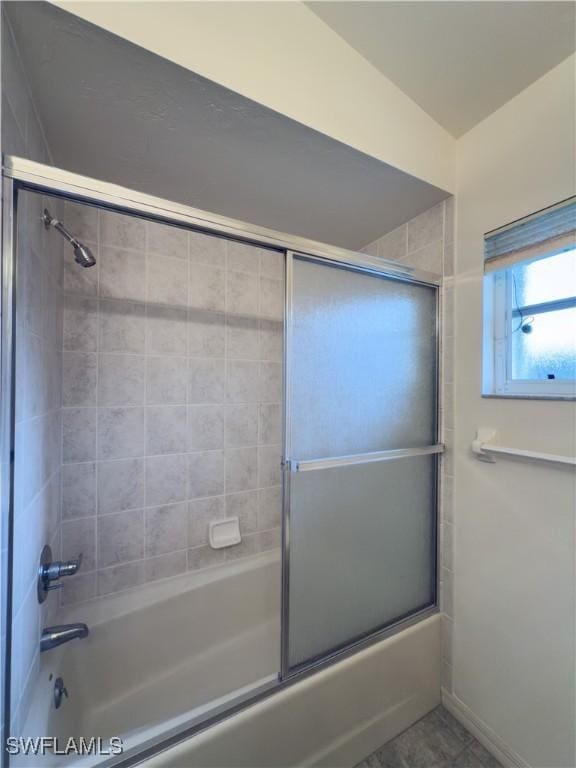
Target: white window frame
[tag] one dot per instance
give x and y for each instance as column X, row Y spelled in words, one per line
column 497, row 357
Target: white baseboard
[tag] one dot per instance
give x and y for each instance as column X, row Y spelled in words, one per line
column 485, row 735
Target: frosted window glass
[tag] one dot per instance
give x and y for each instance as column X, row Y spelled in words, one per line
column 546, row 279
column 364, row 363
column 549, row 351
column 362, row 551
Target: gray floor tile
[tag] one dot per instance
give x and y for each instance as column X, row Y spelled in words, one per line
column 488, row 760
column 466, row 759
column 436, row 741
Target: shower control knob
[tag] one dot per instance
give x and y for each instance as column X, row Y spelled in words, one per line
column 49, row 571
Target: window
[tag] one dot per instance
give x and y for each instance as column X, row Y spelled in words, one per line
column 530, row 306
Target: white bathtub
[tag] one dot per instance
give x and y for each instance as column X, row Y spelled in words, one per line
column 161, row 656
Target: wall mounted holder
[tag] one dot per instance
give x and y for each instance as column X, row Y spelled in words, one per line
column 485, row 448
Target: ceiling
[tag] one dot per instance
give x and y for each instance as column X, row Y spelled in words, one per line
column 460, row 61
column 114, row 111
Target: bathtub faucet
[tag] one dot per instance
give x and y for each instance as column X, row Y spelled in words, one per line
column 52, row 637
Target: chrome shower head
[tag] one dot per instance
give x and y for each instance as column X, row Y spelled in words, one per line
column 82, row 254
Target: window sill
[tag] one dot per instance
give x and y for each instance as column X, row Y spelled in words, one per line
column 491, row 396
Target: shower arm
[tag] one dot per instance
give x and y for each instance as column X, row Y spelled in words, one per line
column 50, row 221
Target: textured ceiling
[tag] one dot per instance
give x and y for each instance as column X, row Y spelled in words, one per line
column 460, row 61
column 116, row 112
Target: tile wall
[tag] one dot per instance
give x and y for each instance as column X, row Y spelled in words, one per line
column 38, row 372
column 427, row 242
column 172, row 390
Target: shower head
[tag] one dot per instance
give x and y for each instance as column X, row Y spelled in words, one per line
column 82, row 254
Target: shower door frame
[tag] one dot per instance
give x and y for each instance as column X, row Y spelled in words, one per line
column 19, row 174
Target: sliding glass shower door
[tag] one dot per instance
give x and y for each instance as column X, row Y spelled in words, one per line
column 360, row 447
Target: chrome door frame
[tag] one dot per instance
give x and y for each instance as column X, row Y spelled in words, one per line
column 25, row 175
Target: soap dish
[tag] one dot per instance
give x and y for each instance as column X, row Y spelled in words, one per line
column 224, row 533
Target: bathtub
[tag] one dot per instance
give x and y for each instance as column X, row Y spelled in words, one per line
column 162, row 656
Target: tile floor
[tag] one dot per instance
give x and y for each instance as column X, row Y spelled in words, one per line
column 436, row 741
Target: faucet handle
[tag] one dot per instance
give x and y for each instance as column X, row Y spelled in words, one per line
column 49, row 571
column 71, row 567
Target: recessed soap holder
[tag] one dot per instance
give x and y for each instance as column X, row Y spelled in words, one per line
column 224, row 533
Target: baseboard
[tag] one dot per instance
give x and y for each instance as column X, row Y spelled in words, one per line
column 485, row 735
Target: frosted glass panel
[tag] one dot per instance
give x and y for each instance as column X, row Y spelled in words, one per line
column 364, row 364
column 549, row 351
column 546, row 279
column 362, row 551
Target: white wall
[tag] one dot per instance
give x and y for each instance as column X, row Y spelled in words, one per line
column 283, row 56
column 514, row 647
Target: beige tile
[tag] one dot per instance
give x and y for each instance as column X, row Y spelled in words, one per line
column 449, row 260
column 269, row 467
column 165, row 429
column 120, row 485
column 78, row 434
column 205, row 427
column 206, row 333
column 244, row 506
column 80, row 324
column 166, row 331
column 271, row 340
column 206, row 289
column 166, row 479
column 449, row 220
column 166, row 240
column 79, row 537
column 120, row 433
column 242, row 294
column 241, row 469
column 121, row 577
column 79, row 379
column 166, row 529
column 242, row 381
column 207, row 249
column 165, row 566
column 241, row 425
column 79, row 589
column 205, row 380
column 167, row 280
column 82, row 281
column 426, row 228
column 122, row 274
column 122, row 326
column 78, row 490
column 270, row 424
column 122, row 231
column 121, row 379
column 272, row 264
column 271, row 298
column 242, row 337
column 269, row 508
column 166, row 380
column 205, row 474
column 120, row 538
column 428, row 258
column 267, row 540
column 270, row 382
column 82, row 219
column 247, row 547
column 393, row 246
column 242, row 257
column 204, row 557
column 200, row 514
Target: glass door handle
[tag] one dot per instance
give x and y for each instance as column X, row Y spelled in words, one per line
column 361, row 458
